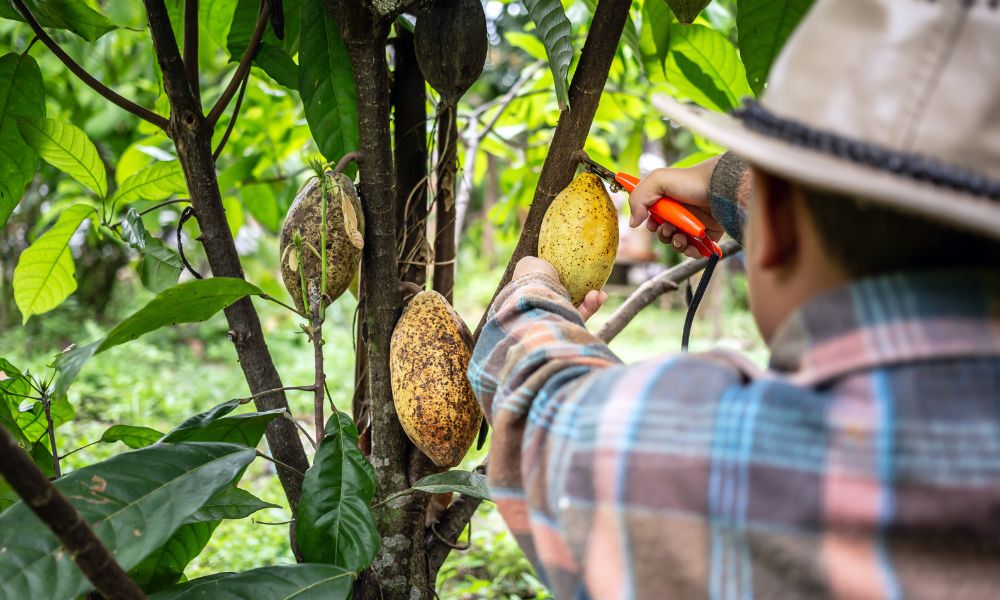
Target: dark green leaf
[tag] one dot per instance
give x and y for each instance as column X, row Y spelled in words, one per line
column 133, row 436
column 246, row 429
column 45, row 274
column 161, row 266
column 703, row 66
column 278, row 65
column 72, row 15
column 243, row 23
column 8, row 497
column 166, row 564
column 230, row 503
column 21, row 95
column 135, row 502
column 466, row 483
column 326, row 84
column 298, row 582
column 67, row 148
column 69, row 363
column 189, row 302
column 764, row 25
column 556, row 33
column 334, row 522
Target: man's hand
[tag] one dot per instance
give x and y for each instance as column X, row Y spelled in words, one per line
column 687, row 186
column 592, row 302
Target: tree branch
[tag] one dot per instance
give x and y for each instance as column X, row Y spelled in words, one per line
column 574, row 125
column 444, row 201
column 316, row 334
column 191, row 47
column 649, row 291
column 232, row 120
column 76, row 535
column 243, row 68
column 84, row 76
column 192, row 135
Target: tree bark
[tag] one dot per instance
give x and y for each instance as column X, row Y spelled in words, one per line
column 574, row 125
column 409, row 98
column 76, row 535
column 192, row 135
column 444, row 202
column 399, row 571
column 560, row 165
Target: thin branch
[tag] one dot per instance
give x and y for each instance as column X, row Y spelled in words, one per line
column 232, row 120
column 243, row 68
column 279, row 463
column 83, row 447
column 50, row 426
column 346, row 160
column 112, row 96
column 316, row 334
column 252, row 397
column 280, row 303
column 649, row 291
column 191, row 47
column 289, row 416
column 76, row 535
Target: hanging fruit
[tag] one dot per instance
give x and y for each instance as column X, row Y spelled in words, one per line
column 687, row 11
column 451, row 43
column 579, row 236
column 302, row 238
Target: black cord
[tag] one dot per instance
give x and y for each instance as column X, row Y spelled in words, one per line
column 186, row 214
column 696, row 300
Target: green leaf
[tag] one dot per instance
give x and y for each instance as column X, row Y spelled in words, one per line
column 326, row 84
column 262, row 203
column 160, row 266
column 133, row 436
column 214, row 426
column 71, row 15
column 654, row 38
column 158, row 181
column 189, row 302
column 230, row 503
column 21, row 95
column 134, row 501
column 67, row 148
column 15, row 389
column 764, row 25
column 8, row 497
column 556, row 33
column 35, row 425
column 703, row 66
column 298, row 582
column 466, row 483
column 278, row 64
column 334, row 522
column 166, row 564
column 217, row 17
column 245, row 18
column 69, row 363
column 45, row 274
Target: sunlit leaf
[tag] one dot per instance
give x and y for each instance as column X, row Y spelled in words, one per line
column 45, row 274
column 703, row 66
column 654, row 38
column 133, row 436
column 764, row 25
column 334, row 522
column 134, row 501
column 326, row 84
column 158, row 181
column 71, row 15
column 67, row 148
column 21, row 95
column 556, row 33
column 299, row 582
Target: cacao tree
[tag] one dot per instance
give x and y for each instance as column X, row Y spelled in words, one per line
column 206, row 119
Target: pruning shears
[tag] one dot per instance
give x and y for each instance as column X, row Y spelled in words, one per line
column 664, row 210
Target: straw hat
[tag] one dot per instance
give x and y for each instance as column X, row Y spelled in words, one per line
column 897, row 101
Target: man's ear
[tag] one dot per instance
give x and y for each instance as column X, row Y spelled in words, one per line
column 772, row 217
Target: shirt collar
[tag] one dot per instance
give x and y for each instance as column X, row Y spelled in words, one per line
column 890, row 319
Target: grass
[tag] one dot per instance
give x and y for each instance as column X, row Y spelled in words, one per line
column 169, row 374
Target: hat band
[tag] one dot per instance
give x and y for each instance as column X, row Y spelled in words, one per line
column 906, row 164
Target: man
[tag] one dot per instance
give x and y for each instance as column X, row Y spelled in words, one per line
column 865, row 462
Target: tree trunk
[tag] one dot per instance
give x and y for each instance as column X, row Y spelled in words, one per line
column 192, row 136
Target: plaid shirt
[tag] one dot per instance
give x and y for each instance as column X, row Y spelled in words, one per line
column 865, row 463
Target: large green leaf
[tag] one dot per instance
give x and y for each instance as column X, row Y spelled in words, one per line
column 285, row 582
column 246, row 429
column 326, row 84
column 217, row 18
column 243, row 22
column 230, row 503
column 188, row 302
column 160, row 266
column 134, row 501
column 72, row 15
column 334, row 522
column 467, row 483
column 278, row 64
column 133, row 436
column 67, row 148
column 45, row 273
column 764, row 25
column 166, row 564
column 21, row 95
column 703, row 66
column 555, row 31
column 158, row 181
column 654, row 37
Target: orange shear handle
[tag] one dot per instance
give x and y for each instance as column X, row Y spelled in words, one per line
column 667, row 210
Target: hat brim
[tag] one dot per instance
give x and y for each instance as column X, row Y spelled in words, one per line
column 829, row 172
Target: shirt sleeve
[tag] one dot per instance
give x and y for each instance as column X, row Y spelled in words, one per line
column 729, row 193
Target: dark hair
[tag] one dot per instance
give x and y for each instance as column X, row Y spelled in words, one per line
column 868, row 239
